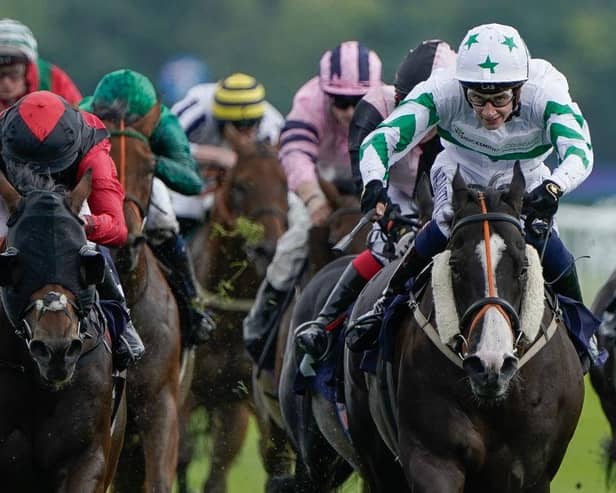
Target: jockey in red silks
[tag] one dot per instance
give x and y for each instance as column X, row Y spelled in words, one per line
column 23, row 72
column 44, row 133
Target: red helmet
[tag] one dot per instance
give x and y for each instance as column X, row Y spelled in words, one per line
column 350, row 69
column 41, row 130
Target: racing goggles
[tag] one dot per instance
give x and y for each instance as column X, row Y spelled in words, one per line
column 498, row 100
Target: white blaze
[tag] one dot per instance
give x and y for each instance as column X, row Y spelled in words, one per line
column 496, row 337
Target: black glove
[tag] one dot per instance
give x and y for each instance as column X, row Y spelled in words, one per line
column 387, row 222
column 374, row 192
column 542, row 202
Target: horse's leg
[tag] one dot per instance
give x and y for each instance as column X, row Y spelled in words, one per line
column 276, row 455
column 185, row 451
column 229, row 423
column 130, row 472
column 427, row 473
column 160, row 441
column 86, row 472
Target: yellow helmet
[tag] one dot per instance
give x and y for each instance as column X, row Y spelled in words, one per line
column 237, row 98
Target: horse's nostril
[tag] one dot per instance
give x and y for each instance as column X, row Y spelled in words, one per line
column 74, row 349
column 40, row 350
column 473, row 365
column 510, row 366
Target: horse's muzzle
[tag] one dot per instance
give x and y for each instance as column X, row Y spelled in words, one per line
column 487, row 381
column 56, row 360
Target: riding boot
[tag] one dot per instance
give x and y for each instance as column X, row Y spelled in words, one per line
column 261, row 319
column 128, row 347
column 197, row 324
column 362, row 333
column 313, row 338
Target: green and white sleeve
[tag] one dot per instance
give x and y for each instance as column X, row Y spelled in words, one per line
column 403, row 129
column 568, row 132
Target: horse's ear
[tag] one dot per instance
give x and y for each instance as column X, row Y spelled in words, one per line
column 460, row 190
column 423, row 197
column 515, row 194
column 92, row 266
column 10, row 267
column 239, row 142
column 8, row 192
column 80, row 192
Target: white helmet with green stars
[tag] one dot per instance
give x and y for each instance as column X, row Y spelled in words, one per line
column 492, row 56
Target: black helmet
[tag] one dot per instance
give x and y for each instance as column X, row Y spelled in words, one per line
column 42, row 131
column 419, row 63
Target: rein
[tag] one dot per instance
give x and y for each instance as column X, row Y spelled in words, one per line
column 475, row 313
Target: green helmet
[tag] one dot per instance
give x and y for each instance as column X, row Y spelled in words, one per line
column 125, row 88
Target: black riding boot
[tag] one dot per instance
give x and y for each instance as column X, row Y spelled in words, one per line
column 362, row 334
column 261, row 318
column 313, row 339
column 197, row 324
column 128, row 346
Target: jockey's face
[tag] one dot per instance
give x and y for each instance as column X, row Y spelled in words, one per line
column 12, row 82
column 493, row 110
column 343, row 108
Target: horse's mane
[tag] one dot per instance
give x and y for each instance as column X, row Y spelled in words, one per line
column 24, row 179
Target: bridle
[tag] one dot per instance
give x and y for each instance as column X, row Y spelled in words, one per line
column 475, row 313
column 126, row 132
column 43, row 305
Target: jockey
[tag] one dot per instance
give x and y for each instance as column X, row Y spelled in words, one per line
column 238, row 100
column 379, row 102
column 23, row 72
column 314, row 140
column 43, row 132
column 136, row 96
column 501, row 106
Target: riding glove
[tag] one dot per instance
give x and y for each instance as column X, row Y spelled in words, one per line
column 542, row 202
column 374, row 193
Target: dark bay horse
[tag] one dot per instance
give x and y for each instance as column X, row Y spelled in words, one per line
column 55, row 361
column 231, row 254
column 484, row 387
column 603, row 378
column 151, row 447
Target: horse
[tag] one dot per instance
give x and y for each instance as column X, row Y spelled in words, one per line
column 55, row 359
column 150, row 453
column 231, row 253
column 603, row 378
column 483, row 388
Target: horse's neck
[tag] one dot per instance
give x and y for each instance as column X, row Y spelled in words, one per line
column 228, row 265
column 135, row 281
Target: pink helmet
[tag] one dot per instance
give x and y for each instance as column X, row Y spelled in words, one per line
column 349, row 69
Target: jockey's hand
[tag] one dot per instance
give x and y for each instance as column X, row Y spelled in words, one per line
column 542, row 202
column 319, row 211
column 387, row 218
column 374, row 194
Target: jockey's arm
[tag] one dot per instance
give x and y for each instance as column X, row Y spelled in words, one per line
column 213, row 155
column 568, row 132
column 400, row 132
column 174, row 163
column 106, row 224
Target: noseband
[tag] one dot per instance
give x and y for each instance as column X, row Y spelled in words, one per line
column 474, row 313
column 51, row 302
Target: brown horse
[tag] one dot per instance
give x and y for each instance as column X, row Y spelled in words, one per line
column 603, row 378
column 484, row 387
column 151, row 448
column 55, row 362
column 231, row 254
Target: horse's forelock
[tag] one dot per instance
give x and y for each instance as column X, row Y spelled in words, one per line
column 24, row 179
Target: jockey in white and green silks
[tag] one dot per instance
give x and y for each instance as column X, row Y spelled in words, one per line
column 500, row 106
